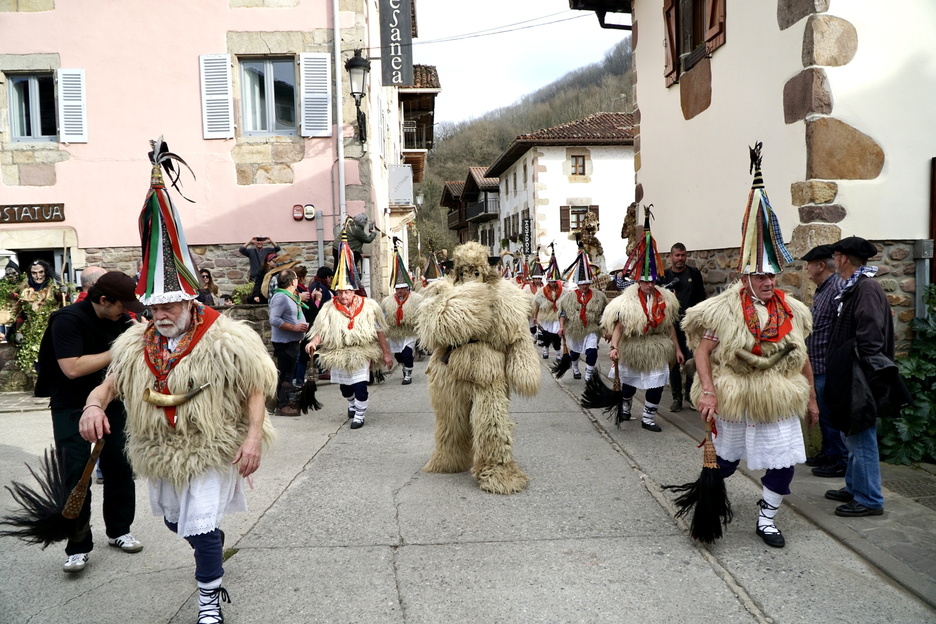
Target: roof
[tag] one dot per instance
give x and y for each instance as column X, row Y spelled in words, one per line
column 424, row 77
column 597, row 129
column 451, row 194
column 477, row 182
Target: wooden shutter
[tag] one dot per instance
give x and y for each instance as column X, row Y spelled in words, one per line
column 594, row 211
column 71, row 102
column 315, row 90
column 714, row 24
column 216, row 96
column 670, row 42
column 564, row 218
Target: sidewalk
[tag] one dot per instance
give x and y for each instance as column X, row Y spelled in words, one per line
column 345, row 527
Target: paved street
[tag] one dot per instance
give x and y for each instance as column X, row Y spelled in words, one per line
column 345, row 527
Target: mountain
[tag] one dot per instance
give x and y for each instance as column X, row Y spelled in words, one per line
column 604, row 86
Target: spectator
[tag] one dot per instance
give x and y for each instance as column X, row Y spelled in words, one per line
column 89, row 277
column 288, row 328
column 209, row 294
column 8, row 287
column 257, row 295
column 257, row 249
column 686, row 282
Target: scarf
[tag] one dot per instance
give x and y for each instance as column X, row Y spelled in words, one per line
column 557, row 289
column 533, row 288
column 295, row 297
column 870, row 271
column 583, row 301
column 156, row 349
column 357, row 304
column 656, row 312
column 779, row 319
column 399, row 310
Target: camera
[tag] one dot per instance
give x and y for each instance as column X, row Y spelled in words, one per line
column 261, row 238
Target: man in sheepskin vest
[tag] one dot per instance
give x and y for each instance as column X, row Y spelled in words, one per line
column 401, row 309
column 349, row 335
column 641, row 322
column 534, row 286
column 754, row 378
column 580, row 313
column 474, row 323
column 546, row 309
column 194, row 384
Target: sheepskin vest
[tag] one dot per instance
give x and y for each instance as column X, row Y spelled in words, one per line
column 546, row 312
column 349, row 349
column 569, row 305
column 407, row 327
column 639, row 350
column 210, row 427
column 742, row 389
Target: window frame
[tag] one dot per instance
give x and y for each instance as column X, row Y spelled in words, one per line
column 35, row 106
column 695, row 24
column 270, row 105
column 577, row 161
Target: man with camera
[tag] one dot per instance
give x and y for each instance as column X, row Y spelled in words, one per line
column 256, row 249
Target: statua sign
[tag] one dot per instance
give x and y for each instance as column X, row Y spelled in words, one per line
column 35, row 213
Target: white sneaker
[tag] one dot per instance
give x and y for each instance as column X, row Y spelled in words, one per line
column 126, row 543
column 75, row 563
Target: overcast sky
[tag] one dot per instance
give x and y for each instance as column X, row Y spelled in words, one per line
column 483, row 73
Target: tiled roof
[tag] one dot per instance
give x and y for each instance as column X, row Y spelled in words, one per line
column 483, row 183
column 597, row 129
column 455, row 188
column 424, row 77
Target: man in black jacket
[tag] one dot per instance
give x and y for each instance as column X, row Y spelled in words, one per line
column 73, row 357
column 863, row 329
column 686, row 282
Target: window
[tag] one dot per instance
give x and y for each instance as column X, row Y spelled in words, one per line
column 578, row 165
column 524, row 176
column 48, row 106
column 268, row 96
column 274, row 101
column 515, row 182
column 693, row 29
column 506, row 187
column 571, row 217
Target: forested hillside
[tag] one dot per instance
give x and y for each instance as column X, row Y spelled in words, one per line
column 604, row 86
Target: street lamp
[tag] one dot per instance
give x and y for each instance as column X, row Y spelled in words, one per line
column 357, row 67
column 420, row 198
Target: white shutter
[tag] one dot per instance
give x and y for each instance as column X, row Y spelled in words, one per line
column 217, row 99
column 315, row 90
column 71, row 101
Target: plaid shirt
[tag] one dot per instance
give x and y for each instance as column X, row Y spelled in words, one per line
column 824, row 310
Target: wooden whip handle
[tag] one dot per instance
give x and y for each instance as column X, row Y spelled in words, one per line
column 709, row 457
column 617, row 378
column 77, row 497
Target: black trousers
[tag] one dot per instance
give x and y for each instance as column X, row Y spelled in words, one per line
column 675, row 378
column 285, row 354
column 119, row 506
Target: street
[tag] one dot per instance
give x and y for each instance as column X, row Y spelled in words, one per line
column 345, row 527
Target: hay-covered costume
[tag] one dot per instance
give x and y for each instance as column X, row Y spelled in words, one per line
column 400, row 309
column 474, row 323
column 752, row 365
column 580, row 313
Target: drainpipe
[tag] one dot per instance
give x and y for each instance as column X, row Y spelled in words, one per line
column 339, row 117
column 320, row 235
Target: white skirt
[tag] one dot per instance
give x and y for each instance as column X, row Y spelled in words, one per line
column 199, row 506
column 763, row 445
column 397, row 346
column 348, row 378
column 550, row 326
column 590, row 341
column 643, row 380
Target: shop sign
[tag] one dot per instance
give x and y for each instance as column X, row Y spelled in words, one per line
column 35, row 213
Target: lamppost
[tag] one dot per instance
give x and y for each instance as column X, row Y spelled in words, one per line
column 420, row 198
column 357, row 67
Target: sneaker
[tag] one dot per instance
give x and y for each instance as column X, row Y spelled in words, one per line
column 75, row 563
column 546, row 354
column 126, row 543
column 286, row 410
column 830, row 471
column 854, row 509
column 676, row 405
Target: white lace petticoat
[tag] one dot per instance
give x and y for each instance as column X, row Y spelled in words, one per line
column 199, row 506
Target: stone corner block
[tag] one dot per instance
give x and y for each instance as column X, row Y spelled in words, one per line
column 829, row 41
column 813, row 192
column 806, row 94
column 837, row 151
column 791, row 11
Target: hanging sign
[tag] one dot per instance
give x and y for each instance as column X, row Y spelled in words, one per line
column 396, row 43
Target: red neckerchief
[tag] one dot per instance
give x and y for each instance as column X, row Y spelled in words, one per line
column 399, row 310
column 779, row 319
column 533, row 288
column 582, row 313
column 357, row 304
column 161, row 361
column 557, row 289
column 657, row 310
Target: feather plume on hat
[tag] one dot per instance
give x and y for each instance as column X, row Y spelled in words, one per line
column 399, row 276
column 762, row 248
column 345, row 277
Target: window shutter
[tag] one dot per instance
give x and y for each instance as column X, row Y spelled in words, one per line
column 714, row 24
column 564, row 218
column 315, row 89
column 594, row 211
column 71, row 102
column 670, row 43
column 216, row 95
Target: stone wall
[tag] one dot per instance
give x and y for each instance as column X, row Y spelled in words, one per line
column 896, row 274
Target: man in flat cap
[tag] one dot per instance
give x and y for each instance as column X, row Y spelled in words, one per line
column 863, row 329
column 832, row 457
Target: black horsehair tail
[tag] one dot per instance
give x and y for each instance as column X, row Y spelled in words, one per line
column 756, row 156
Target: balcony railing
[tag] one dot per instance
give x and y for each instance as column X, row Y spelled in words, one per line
column 416, row 137
column 455, row 222
column 484, row 210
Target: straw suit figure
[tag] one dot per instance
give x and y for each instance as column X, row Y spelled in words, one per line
column 580, row 313
column 401, row 309
column 475, row 324
column 755, row 379
column 546, row 309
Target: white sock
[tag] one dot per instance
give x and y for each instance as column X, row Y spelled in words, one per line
column 649, row 412
column 766, row 516
column 359, row 408
column 575, row 367
column 589, row 370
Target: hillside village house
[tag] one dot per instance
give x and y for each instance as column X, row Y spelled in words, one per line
column 253, row 94
column 554, row 176
column 838, row 92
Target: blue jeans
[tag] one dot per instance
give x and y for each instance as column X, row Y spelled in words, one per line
column 833, row 446
column 863, row 474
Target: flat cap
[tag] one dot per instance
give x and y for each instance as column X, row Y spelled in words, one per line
column 819, row 252
column 855, row 246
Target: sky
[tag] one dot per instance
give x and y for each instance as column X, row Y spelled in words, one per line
column 480, row 74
